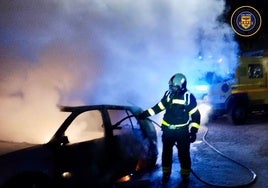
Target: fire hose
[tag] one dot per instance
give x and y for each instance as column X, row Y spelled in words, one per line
column 251, row 172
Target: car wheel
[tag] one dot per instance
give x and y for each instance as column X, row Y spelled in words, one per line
column 238, row 114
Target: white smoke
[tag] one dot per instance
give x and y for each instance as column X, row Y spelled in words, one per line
column 99, row 51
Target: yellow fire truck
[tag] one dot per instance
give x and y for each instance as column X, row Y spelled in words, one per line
column 246, row 93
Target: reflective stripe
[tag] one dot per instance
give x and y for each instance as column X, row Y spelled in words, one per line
column 196, row 125
column 165, row 123
column 174, row 126
column 161, row 106
column 178, row 101
column 187, row 98
column 193, row 110
column 166, row 169
column 151, row 111
column 185, row 171
column 184, row 101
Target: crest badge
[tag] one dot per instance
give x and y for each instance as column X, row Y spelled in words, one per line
column 246, row 21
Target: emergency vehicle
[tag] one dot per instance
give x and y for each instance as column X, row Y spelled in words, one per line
column 246, row 93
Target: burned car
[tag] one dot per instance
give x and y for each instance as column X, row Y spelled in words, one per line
column 96, row 146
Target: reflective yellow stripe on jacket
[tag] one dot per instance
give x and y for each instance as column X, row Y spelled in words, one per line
column 193, row 110
column 160, row 105
column 178, row 101
column 177, row 125
column 196, row 125
column 151, row 111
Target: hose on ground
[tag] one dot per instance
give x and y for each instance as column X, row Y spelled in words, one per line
column 251, row 172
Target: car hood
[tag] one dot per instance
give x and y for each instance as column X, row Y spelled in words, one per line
column 7, row 146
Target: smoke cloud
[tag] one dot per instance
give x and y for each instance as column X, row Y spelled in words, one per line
column 99, row 51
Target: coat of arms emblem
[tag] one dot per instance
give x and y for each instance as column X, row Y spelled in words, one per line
column 246, row 21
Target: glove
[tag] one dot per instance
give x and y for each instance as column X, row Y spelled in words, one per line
column 172, row 127
column 192, row 137
column 143, row 115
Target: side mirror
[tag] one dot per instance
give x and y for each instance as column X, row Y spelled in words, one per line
column 63, row 140
column 58, row 141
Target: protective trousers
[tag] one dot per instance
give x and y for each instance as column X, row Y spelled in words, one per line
column 181, row 138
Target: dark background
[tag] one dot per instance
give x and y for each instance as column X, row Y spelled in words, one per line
column 259, row 40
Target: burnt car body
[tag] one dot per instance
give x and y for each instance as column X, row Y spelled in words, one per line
column 96, row 146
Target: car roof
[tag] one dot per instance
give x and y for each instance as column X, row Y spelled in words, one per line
column 75, row 110
column 98, row 107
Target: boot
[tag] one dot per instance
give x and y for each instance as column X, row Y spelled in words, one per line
column 165, row 177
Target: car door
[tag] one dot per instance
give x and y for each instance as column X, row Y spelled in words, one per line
column 83, row 159
column 129, row 140
column 94, row 157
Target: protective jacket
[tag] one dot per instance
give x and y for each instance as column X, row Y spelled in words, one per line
column 181, row 110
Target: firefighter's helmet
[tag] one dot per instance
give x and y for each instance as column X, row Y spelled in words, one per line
column 177, row 83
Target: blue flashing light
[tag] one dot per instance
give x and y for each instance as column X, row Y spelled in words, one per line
column 202, row 88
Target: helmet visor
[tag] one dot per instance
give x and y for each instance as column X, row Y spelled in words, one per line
column 174, row 88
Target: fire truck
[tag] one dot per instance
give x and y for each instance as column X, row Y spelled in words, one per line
column 246, row 93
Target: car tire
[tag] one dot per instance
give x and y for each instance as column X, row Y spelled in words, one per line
column 238, row 113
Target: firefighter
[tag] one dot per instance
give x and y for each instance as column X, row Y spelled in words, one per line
column 180, row 124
